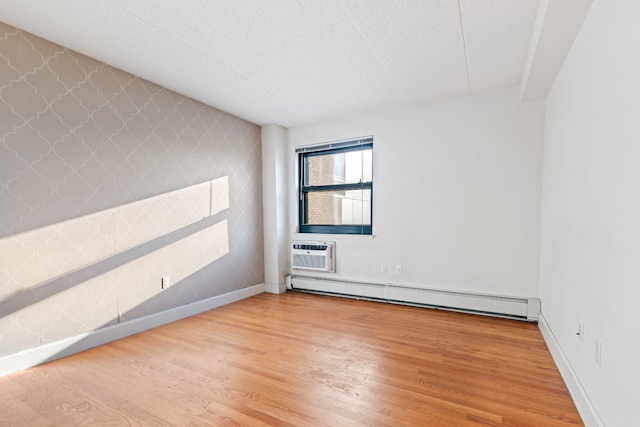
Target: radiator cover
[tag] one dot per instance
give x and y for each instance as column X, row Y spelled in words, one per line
column 485, row 304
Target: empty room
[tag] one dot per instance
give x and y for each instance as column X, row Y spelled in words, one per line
column 330, row 213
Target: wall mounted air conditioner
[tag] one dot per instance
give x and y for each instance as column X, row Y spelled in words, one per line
column 317, row 256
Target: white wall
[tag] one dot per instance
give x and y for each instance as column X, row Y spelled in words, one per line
column 590, row 250
column 456, row 199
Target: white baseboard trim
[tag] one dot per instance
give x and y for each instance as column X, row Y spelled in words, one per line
column 273, row 288
column 52, row 351
column 586, row 409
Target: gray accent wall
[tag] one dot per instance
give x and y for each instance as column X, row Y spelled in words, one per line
column 107, row 184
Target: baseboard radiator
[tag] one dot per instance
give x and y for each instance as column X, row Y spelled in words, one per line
column 489, row 305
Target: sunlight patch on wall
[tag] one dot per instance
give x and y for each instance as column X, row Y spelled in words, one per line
column 106, row 299
column 140, row 280
column 140, row 222
column 32, row 258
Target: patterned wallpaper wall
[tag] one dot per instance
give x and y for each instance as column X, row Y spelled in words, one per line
column 107, row 183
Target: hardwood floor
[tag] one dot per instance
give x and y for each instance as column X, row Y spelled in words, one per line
column 303, row 360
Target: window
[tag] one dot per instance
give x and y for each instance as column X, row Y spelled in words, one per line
column 336, row 184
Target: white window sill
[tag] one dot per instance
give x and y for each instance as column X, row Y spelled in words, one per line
column 331, row 237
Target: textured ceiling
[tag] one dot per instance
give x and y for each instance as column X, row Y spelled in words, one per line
column 292, row 62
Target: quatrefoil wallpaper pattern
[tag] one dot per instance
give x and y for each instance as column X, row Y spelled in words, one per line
column 108, row 182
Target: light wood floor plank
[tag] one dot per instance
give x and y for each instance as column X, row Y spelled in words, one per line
column 303, row 360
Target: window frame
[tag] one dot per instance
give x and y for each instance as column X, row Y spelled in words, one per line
column 304, row 190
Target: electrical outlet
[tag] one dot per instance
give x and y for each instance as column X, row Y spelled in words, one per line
column 398, row 269
column 580, row 332
column 383, row 268
column 597, row 351
column 166, row 282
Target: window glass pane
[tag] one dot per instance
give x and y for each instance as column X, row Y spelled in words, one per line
column 331, row 169
column 351, row 207
column 367, row 165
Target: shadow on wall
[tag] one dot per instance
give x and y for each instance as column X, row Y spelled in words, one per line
column 102, row 269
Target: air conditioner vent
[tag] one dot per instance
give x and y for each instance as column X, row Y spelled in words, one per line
column 318, row 256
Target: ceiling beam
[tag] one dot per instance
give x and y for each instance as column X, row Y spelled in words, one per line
column 557, row 25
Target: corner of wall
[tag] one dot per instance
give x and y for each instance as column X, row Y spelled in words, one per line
column 586, row 409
